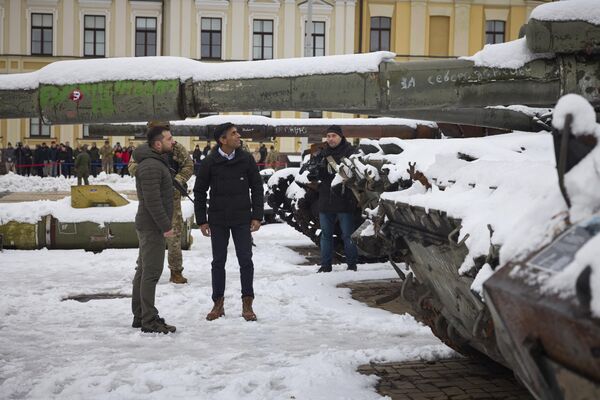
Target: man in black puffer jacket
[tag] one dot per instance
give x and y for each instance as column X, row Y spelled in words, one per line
column 154, row 187
column 335, row 202
column 236, row 207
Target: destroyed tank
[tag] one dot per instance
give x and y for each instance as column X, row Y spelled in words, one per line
column 555, row 58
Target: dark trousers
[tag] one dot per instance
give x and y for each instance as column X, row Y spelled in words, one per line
column 242, row 239
column 150, row 264
column 327, row 221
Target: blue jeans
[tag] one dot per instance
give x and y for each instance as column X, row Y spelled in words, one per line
column 327, row 221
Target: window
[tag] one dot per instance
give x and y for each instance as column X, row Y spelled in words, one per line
column 36, row 128
column 94, row 36
column 380, row 33
column 494, row 31
column 41, row 34
column 263, row 113
column 210, row 39
column 315, row 114
column 318, row 39
column 145, row 36
column 262, row 39
column 86, row 130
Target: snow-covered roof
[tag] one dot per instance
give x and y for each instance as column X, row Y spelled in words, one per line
column 166, row 68
column 570, row 10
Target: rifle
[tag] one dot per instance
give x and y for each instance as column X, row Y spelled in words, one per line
column 180, row 188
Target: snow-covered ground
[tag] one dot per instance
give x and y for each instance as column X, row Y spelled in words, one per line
column 307, row 343
column 16, row 183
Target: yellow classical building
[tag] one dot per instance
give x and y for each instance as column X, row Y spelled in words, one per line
column 34, row 33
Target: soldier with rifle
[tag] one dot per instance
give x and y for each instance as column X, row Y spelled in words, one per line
column 182, row 169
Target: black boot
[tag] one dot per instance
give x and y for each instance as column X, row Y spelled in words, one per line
column 324, row 268
column 158, row 325
column 352, row 267
column 137, row 322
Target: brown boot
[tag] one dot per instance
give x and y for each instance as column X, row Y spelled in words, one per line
column 217, row 311
column 177, row 277
column 247, row 311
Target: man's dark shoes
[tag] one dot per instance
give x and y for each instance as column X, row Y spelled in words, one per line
column 324, row 268
column 352, row 267
column 137, row 323
column 158, row 325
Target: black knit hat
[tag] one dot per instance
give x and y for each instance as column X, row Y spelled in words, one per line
column 335, row 129
column 220, row 130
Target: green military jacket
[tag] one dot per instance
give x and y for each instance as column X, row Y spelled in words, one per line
column 182, row 157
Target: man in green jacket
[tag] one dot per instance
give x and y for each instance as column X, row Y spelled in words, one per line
column 182, row 169
column 82, row 165
column 154, row 188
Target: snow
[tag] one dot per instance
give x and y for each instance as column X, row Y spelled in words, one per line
column 12, row 182
column 529, row 111
column 511, row 55
column 166, row 68
column 585, row 10
column 584, row 116
column 509, row 171
column 33, row 211
column 261, row 120
column 307, row 343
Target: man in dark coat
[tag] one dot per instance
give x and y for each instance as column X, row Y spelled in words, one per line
column 68, row 160
column 38, row 160
column 94, row 159
column 53, row 157
column 231, row 174
column 262, row 151
column 154, row 188
column 335, row 202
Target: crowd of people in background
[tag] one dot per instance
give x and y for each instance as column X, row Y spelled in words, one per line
column 59, row 159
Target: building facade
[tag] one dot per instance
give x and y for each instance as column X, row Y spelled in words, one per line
column 34, row 33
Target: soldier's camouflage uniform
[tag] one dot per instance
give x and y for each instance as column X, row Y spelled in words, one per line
column 180, row 161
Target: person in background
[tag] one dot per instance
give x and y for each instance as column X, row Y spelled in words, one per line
column 27, row 160
column 38, row 161
column 196, row 157
column 94, row 159
column 125, row 157
column 262, row 150
column 69, row 159
column 107, row 157
column 82, row 166
column 206, row 149
column 118, row 159
column 53, row 156
column 272, row 158
column 8, row 157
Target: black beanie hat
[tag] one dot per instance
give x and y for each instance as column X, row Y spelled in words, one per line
column 221, row 129
column 335, row 129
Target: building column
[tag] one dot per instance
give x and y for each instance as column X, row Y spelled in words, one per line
column 187, row 13
column 238, row 27
column 339, row 36
column 462, row 20
column 14, row 28
column 68, row 25
column 173, row 39
column 349, row 37
column 119, row 43
column 418, row 23
column 289, row 32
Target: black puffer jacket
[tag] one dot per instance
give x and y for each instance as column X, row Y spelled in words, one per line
column 154, row 187
column 236, row 190
column 338, row 199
